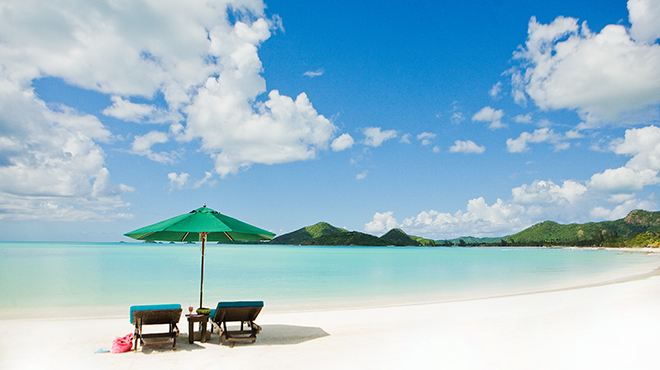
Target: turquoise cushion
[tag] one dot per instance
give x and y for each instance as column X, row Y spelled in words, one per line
column 151, row 307
column 241, row 304
column 236, row 304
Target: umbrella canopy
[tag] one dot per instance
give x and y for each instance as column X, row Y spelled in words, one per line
column 191, row 226
column 201, row 224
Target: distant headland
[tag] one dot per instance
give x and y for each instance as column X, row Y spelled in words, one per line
column 638, row 229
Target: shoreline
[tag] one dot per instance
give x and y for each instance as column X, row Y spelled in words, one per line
column 638, row 272
column 609, row 325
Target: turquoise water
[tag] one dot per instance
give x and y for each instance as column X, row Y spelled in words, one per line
column 68, row 275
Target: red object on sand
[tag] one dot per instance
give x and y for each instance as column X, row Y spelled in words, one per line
column 122, row 344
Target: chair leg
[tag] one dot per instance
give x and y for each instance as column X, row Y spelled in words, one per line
column 173, row 333
column 136, row 335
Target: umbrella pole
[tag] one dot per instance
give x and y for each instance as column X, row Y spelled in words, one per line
column 201, row 286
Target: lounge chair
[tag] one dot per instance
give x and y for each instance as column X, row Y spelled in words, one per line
column 244, row 312
column 157, row 314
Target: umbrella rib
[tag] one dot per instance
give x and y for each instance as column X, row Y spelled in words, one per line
column 144, row 236
column 228, row 237
column 185, row 236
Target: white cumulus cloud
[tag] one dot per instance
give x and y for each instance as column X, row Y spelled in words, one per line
column 641, row 170
column 426, row 137
column 496, row 219
column 623, row 180
column 643, row 16
column 529, row 204
column 142, row 146
column 488, row 114
column 375, row 137
column 178, row 181
column 343, row 142
column 608, row 195
column 467, row 146
column 51, row 165
column 643, row 144
column 182, row 181
column 541, row 135
column 542, row 192
column 203, row 64
column 527, row 118
column 381, row 223
column 236, row 136
column 132, row 112
column 494, row 92
column 605, row 76
column 237, row 133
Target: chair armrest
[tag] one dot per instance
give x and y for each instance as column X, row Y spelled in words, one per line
column 255, row 327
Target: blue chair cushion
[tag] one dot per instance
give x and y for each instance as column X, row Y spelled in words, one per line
column 236, row 304
column 151, row 307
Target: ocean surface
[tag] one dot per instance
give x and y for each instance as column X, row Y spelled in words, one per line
column 104, row 279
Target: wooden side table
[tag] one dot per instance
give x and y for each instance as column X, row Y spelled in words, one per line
column 202, row 320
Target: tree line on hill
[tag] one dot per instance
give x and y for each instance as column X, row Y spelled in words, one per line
column 638, row 229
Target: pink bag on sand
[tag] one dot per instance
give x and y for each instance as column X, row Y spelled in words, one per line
column 122, row 344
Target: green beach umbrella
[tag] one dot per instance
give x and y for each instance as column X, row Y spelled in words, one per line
column 202, row 224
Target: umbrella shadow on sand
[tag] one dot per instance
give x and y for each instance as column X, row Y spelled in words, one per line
column 271, row 335
column 288, row 334
column 282, row 335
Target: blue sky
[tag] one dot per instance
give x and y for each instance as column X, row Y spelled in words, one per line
column 442, row 118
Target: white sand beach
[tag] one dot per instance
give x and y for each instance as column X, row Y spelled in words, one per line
column 607, row 326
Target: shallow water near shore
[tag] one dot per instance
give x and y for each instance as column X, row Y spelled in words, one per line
column 104, row 279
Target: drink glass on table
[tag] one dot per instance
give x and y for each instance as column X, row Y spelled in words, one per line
column 190, row 309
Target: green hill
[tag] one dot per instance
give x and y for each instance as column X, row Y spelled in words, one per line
column 323, row 233
column 639, row 218
column 350, row 238
column 399, row 238
column 637, row 229
column 426, row 242
column 305, row 234
column 471, row 240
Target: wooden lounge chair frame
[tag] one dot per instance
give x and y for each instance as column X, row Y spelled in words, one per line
column 245, row 313
column 155, row 316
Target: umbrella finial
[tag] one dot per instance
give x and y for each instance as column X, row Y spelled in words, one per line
column 204, row 205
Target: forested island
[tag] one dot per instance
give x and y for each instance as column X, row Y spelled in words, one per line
column 638, row 229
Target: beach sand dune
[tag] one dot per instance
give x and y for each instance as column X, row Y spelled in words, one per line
column 613, row 326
